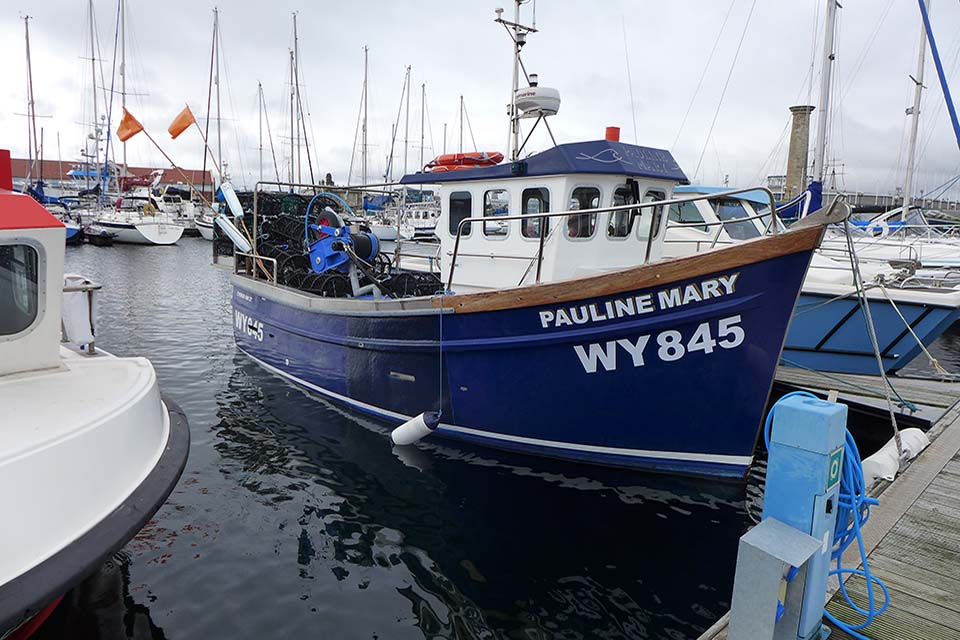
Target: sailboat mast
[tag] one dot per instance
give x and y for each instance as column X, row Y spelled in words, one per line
column 216, row 81
column 123, row 68
column 406, row 126
column 260, row 122
column 292, row 125
column 206, row 124
column 423, row 110
column 296, row 93
column 461, row 124
column 31, row 108
column 819, row 171
column 93, row 78
column 363, row 144
column 915, row 120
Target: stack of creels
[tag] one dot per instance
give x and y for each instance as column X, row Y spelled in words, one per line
column 332, row 284
column 413, row 284
column 283, row 229
column 289, row 261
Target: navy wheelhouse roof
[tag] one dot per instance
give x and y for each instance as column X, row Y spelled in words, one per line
column 597, row 156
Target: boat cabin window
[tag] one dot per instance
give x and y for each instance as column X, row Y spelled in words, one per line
column 657, row 222
column 729, row 211
column 621, row 222
column 583, row 225
column 535, row 200
column 18, row 288
column 460, row 206
column 496, row 202
column 687, row 213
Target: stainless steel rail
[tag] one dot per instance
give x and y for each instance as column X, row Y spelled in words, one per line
column 626, row 207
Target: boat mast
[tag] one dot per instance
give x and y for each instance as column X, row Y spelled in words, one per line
column 292, row 127
column 461, row 123
column 216, row 80
column 406, row 126
column 294, row 77
column 206, row 125
column 123, row 68
column 96, row 115
column 32, row 153
column 423, row 107
column 819, row 171
column 260, row 123
column 363, row 143
column 518, row 33
column 915, row 120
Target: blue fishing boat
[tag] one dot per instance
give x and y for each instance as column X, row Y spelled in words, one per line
column 554, row 326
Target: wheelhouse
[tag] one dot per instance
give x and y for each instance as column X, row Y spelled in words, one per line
column 500, row 251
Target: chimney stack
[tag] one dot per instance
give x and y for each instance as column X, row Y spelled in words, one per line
column 799, row 148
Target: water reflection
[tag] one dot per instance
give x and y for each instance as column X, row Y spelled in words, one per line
column 295, row 518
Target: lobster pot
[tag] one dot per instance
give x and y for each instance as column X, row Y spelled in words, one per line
column 79, row 311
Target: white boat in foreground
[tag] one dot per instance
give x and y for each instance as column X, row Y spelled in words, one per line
column 88, row 449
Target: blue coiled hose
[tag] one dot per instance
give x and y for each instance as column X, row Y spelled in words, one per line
column 853, row 511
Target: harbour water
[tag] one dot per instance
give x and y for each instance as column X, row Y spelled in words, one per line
column 294, row 518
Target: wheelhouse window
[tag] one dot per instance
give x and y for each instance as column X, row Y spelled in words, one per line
column 460, row 206
column 687, row 213
column 621, row 222
column 731, row 213
column 496, row 202
column 583, row 225
column 655, row 196
column 18, row 288
column 535, row 200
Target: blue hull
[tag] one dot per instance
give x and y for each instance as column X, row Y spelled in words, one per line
column 668, row 387
column 829, row 334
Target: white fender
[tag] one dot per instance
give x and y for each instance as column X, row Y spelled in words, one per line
column 232, row 200
column 416, row 428
column 239, row 241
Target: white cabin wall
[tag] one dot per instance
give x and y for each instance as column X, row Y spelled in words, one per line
column 494, row 261
column 38, row 347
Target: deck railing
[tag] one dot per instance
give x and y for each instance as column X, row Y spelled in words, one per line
column 577, row 212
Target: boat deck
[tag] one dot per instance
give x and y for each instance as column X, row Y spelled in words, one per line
column 913, row 537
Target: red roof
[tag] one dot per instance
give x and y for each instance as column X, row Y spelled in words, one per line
column 20, row 211
column 54, row 170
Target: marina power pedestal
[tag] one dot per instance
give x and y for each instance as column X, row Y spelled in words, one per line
column 792, row 544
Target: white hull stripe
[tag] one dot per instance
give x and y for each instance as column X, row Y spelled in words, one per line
column 741, row 461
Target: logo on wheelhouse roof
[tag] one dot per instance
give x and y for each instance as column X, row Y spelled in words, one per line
column 641, row 304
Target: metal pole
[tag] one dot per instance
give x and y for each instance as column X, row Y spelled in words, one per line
column 824, row 107
column 915, row 121
column 514, row 121
column 293, row 176
column 461, row 124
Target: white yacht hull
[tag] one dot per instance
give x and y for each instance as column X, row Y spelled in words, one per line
column 152, row 232
column 205, row 228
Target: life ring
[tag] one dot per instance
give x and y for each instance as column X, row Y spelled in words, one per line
column 149, row 209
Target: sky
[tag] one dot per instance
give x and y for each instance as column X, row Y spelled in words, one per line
column 711, row 80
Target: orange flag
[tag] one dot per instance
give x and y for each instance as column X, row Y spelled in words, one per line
column 129, row 127
column 183, row 120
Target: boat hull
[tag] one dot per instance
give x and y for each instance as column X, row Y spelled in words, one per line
column 205, row 229
column 561, row 370
column 156, row 233
column 827, row 333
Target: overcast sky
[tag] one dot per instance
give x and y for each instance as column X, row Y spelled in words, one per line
column 455, row 48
